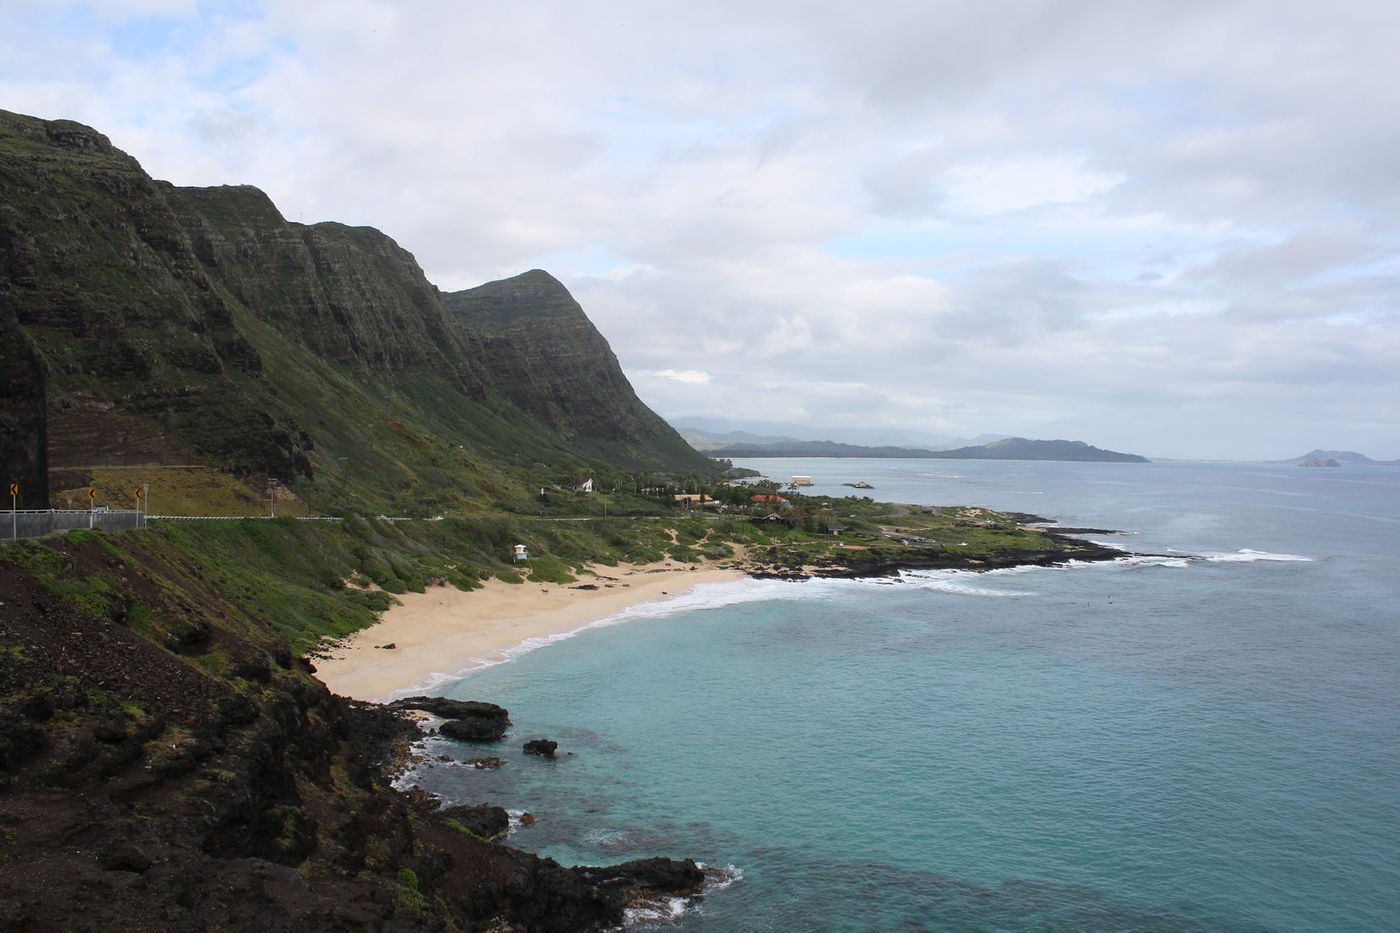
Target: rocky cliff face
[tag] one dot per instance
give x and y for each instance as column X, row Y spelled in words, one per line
column 197, row 325
column 543, row 353
column 23, row 416
column 350, row 294
column 144, row 361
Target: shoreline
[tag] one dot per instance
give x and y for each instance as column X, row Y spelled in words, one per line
column 444, row 632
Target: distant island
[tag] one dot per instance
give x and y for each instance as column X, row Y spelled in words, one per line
column 1011, row 448
column 1336, row 458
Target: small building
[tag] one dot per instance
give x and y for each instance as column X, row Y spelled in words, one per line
column 692, row 499
column 585, row 486
column 763, row 499
column 801, row 481
column 520, row 553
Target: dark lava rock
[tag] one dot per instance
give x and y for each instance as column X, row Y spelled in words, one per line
column 126, row 858
column 18, row 741
column 486, row 764
column 37, row 707
column 645, row 878
column 542, row 747
column 473, row 730
column 487, row 821
column 453, row 709
column 468, row 720
column 382, row 735
column 110, row 731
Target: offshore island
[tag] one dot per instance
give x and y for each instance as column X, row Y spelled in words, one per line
column 270, row 437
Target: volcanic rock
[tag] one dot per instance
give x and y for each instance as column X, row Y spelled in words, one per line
column 542, row 747
column 487, row 821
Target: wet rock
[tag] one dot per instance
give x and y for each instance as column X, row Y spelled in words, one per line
column 453, row 709
column 473, row 730
column 486, row 764
column 644, row 879
column 543, row 747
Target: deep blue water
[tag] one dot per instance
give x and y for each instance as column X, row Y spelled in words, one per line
column 1160, row 744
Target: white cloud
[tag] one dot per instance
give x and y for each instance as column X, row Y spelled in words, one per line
column 1021, row 183
column 689, row 376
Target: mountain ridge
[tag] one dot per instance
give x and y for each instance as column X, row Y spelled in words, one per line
column 155, row 324
column 1014, row 448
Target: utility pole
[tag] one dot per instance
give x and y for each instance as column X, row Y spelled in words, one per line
column 271, row 502
column 14, row 511
column 344, row 472
column 145, row 504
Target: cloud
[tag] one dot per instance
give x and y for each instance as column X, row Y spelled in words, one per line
column 688, row 376
column 1162, row 227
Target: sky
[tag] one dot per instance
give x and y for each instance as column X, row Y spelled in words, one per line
column 1168, row 228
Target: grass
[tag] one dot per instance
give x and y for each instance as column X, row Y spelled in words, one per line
column 308, row 581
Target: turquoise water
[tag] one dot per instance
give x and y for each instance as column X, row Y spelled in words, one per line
column 1157, row 744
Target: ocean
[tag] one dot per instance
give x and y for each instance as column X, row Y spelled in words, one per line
column 1207, row 738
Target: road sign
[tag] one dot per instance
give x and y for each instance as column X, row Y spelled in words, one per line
column 14, row 489
column 138, row 495
column 92, row 492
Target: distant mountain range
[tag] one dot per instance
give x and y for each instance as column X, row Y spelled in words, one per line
column 706, row 433
column 1343, row 458
column 1011, row 448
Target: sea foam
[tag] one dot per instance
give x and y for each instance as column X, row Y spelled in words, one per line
column 1248, row 555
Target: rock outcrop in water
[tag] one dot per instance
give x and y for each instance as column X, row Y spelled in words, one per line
column 544, row 748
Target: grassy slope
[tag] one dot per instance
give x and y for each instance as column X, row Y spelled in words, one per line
column 309, row 580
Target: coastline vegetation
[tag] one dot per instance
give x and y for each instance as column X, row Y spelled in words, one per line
column 312, row 580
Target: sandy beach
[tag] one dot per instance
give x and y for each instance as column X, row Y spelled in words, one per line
column 447, row 631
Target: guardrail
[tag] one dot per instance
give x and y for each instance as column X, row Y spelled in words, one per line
column 241, row 518
column 32, row 523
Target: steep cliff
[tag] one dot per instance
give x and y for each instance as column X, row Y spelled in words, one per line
column 543, row 353
column 144, row 361
column 196, row 325
column 23, row 415
column 351, row 295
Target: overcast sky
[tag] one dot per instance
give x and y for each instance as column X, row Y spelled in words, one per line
column 1168, row 228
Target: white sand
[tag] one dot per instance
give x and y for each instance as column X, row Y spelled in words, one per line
column 446, row 631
